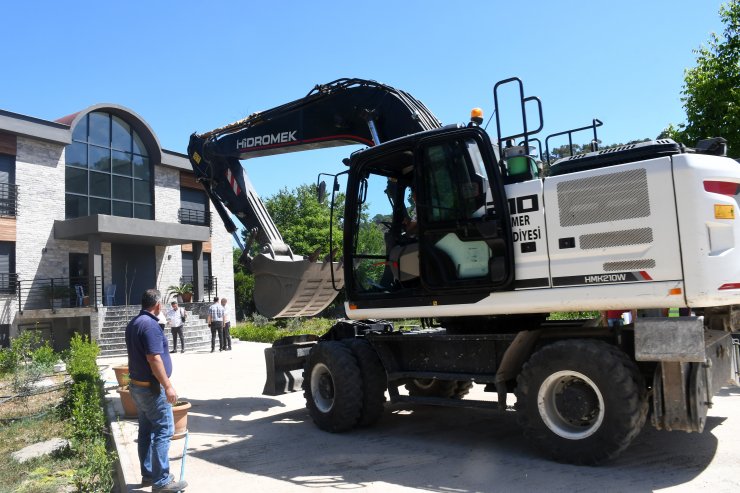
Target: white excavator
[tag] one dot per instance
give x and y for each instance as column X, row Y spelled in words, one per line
column 481, row 247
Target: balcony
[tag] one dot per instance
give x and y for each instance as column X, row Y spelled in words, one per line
column 8, row 283
column 192, row 216
column 8, row 199
column 58, row 292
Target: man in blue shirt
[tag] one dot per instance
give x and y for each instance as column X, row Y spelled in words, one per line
column 150, row 367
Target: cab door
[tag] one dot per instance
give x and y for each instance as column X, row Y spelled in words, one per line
column 463, row 220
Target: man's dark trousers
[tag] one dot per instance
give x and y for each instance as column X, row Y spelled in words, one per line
column 217, row 328
column 177, row 332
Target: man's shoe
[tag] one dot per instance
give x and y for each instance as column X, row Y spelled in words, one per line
column 146, row 481
column 173, row 351
column 171, row 487
column 182, row 350
column 212, row 350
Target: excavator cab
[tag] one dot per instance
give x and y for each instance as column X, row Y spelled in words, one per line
column 444, row 214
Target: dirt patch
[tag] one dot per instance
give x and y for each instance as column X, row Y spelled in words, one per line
column 39, row 400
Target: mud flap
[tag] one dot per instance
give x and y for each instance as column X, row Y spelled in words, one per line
column 284, row 363
column 294, row 288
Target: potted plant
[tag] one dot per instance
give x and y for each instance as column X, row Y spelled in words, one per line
column 129, row 406
column 183, row 292
column 57, row 294
column 122, row 376
column 180, row 417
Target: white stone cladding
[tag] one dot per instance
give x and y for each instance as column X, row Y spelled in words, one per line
column 222, row 263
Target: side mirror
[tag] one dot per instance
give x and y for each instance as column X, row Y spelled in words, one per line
column 321, row 192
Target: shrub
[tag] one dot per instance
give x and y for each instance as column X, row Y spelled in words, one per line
column 86, row 419
column 45, row 357
column 97, row 474
column 82, row 364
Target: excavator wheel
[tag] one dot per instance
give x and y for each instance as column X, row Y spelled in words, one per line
column 581, row 401
column 374, row 381
column 332, row 386
column 431, row 387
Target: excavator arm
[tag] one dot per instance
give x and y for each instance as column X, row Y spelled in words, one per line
column 342, row 112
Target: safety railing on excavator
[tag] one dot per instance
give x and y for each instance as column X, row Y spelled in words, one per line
column 58, row 292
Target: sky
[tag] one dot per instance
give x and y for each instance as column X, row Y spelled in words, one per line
column 192, row 66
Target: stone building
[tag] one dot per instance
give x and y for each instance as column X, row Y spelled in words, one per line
column 92, row 212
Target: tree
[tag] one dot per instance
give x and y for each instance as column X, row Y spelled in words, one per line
column 243, row 288
column 303, row 221
column 711, row 92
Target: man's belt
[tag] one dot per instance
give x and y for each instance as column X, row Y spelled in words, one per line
column 139, row 383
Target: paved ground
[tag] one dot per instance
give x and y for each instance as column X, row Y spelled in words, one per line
column 243, row 441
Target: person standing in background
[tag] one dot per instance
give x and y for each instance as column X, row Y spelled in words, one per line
column 227, row 327
column 176, row 318
column 216, row 323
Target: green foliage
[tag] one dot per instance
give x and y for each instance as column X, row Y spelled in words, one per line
column 84, row 409
column 96, row 476
column 303, row 221
column 711, row 92
column 86, row 419
column 82, row 363
column 179, row 290
column 243, row 293
column 573, row 315
column 260, row 331
column 26, row 364
column 45, row 357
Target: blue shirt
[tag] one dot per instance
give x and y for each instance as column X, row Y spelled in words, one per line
column 144, row 336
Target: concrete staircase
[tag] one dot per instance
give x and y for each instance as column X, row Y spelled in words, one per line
column 112, row 339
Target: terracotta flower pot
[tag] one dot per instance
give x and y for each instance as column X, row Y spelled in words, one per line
column 129, row 406
column 180, row 417
column 121, row 375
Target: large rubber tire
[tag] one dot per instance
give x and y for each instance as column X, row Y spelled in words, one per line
column 374, row 381
column 581, row 401
column 332, row 386
column 447, row 389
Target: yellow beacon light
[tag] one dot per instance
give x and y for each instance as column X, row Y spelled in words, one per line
column 476, row 116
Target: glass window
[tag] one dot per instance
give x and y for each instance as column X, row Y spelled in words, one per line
column 75, row 206
column 76, row 154
column 76, row 180
column 99, row 129
column 142, row 192
column 115, row 171
column 142, row 211
column 80, row 132
column 99, row 206
column 100, row 184
column 99, row 158
column 122, row 188
column 122, row 163
column 141, row 167
column 456, row 183
column 139, row 147
column 122, row 209
column 120, row 134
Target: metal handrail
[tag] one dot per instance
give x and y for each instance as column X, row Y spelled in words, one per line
column 8, row 199
column 210, row 285
column 58, row 292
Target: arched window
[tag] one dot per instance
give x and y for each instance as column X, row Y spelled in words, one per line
column 108, row 169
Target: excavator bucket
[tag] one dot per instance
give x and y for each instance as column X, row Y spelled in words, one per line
column 294, row 288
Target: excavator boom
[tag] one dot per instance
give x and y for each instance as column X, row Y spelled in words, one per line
column 342, row 112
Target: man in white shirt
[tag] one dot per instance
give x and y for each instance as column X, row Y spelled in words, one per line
column 176, row 318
